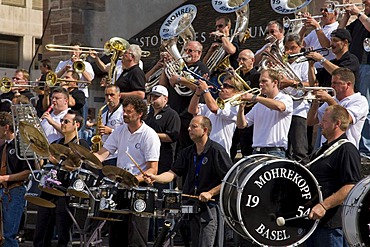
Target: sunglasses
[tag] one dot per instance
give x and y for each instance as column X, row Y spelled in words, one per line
column 189, row 50
column 226, row 85
column 327, row 10
column 219, row 26
column 65, row 121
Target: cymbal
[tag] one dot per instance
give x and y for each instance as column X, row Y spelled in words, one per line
column 71, row 161
column 120, row 175
column 86, row 156
column 33, row 137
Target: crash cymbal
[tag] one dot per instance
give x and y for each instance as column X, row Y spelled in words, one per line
column 88, row 158
column 38, row 201
column 71, row 160
column 120, row 175
column 33, row 137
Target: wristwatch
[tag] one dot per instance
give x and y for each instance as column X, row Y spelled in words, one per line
column 205, row 91
column 322, row 60
column 318, row 28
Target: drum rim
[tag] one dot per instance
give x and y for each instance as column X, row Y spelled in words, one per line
column 88, row 172
column 168, row 191
column 246, row 179
column 345, row 213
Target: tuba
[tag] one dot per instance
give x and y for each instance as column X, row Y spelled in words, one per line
column 96, row 140
column 178, row 24
column 114, row 46
column 241, row 26
column 288, row 6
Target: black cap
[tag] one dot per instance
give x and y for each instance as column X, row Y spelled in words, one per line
column 342, row 34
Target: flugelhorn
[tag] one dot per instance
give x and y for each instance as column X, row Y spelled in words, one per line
column 236, row 99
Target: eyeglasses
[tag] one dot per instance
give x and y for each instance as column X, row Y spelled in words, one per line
column 16, row 78
column 226, row 85
column 324, row 10
column 219, row 26
column 189, row 50
column 65, row 121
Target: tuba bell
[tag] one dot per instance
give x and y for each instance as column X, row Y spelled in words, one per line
column 288, row 6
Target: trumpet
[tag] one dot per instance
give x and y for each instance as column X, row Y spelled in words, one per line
column 339, row 7
column 236, row 99
column 230, row 70
column 197, row 77
column 307, row 92
column 323, row 51
column 288, row 22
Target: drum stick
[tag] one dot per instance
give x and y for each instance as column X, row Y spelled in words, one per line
column 136, row 164
column 195, row 197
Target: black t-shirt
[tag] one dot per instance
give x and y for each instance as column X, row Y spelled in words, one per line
column 166, row 121
column 80, row 99
column 252, row 78
column 131, row 79
column 348, row 60
column 340, row 168
column 212, row 164
column 13, row 164
column 180, row 103
column 358, row 33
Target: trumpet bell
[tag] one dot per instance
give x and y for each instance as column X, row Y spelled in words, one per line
column 51, row 79
column 78, row 66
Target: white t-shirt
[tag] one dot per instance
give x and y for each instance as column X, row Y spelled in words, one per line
column 300, row 107
column 51, row 133
column 114, row 120
column 223, row 124
column 271, row 127
column 358, row 108
column 143, row 145
column 311, row 40
column 88, row 68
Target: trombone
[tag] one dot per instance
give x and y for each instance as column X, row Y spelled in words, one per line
column 6, row 84
column 236, row 99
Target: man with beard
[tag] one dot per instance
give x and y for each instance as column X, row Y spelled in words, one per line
column 143, row 144
column 180, row 103
column 340, row 40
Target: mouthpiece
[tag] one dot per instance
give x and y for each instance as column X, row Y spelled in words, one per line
column 50, row 108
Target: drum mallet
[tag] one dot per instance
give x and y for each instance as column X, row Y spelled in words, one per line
column 280, row 221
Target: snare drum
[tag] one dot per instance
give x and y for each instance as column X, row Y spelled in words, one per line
column 172, row 199
column 80, row 179
column 114, row 199
column 62, row 176
column 143, row 200
column 33, row 192
column 78, row 202
column 356, row 214
column 259, row 189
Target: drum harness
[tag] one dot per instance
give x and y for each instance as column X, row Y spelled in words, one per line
column 328, row 152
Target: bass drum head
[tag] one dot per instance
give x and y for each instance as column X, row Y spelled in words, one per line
column 259, row 189
column 356, row 214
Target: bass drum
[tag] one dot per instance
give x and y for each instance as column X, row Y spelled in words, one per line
column 356, row 214
column 260, row 190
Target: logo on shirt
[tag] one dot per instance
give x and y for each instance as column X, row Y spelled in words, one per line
column 113, row 122
column 137, row 146
column 158, row 117
column 12, row 151
column 204, row 161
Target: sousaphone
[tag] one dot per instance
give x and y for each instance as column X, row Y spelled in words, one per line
column 178, row 24
column 288, row 6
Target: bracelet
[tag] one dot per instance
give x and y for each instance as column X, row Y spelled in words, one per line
column 323, row 206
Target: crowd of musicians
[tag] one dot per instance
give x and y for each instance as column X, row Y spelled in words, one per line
column 190, row 140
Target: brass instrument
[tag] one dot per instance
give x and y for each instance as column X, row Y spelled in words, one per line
column 96, row 140
column 78, row 66
column 295, row 25
column 241, row 26
column 288, row 6
column 236, row 99
column 306, row 93
column 169, row 31
column 226, row 66
column 335, row 6
column 115, row 45
column 6, row 84
column 322, row 51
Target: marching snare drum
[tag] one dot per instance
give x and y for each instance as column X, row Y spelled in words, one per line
column 172, row 199
column 356, row 214
column 114, row 199
column 33, row 192
column 260, row 190
column 143, row 200
column 80, row 179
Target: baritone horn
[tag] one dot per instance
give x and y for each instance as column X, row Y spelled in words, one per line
column 236, row 99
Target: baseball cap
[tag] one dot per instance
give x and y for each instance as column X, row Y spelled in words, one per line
column 159, row 90
column 342, row 34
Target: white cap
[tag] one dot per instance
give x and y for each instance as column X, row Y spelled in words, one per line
column 159, row 90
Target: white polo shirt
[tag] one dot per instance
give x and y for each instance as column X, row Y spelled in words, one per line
column 51, row 133
column 271, row 127
column 143, row 145
column 311, row 40
column 223, row 124
column 358, row 108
